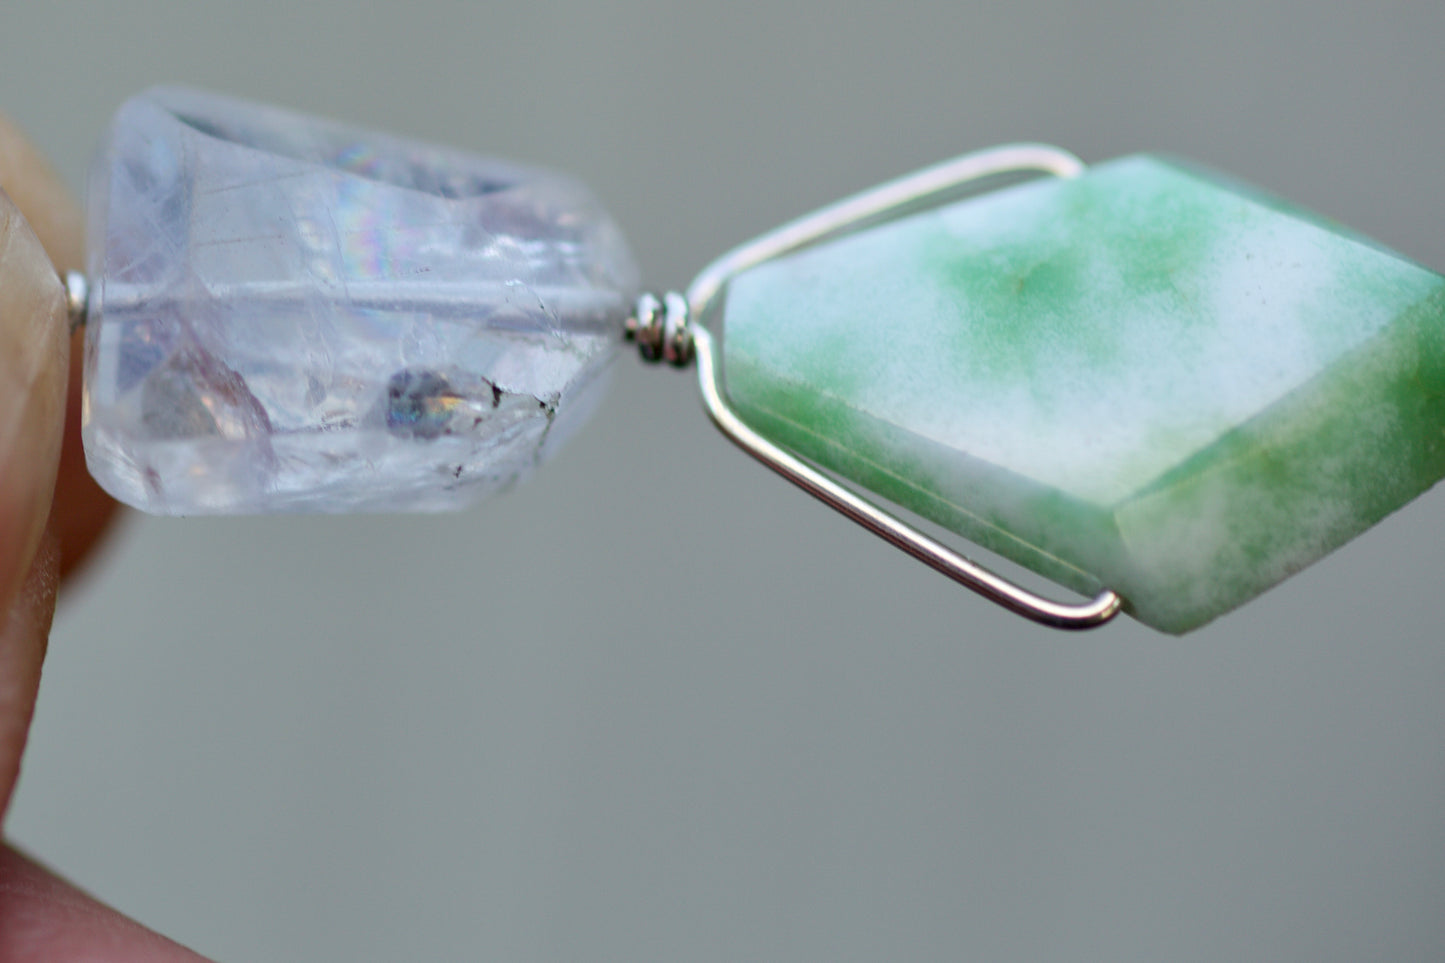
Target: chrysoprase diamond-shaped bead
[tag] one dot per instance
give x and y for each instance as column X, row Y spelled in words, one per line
column 1146, row 378
column 288, row 314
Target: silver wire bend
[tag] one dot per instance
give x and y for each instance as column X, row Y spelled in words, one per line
column 929, row 185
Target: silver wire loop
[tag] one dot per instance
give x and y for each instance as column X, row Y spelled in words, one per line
column 930, row 185
column 662, row 329
column 677, row 342
column 645, row 327
column 77, row 298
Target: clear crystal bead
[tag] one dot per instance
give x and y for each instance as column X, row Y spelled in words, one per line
column 288, row 314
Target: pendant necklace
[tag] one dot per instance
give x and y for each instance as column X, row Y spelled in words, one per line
column 1157, row 387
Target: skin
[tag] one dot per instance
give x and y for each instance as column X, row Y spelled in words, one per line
column 52, row 516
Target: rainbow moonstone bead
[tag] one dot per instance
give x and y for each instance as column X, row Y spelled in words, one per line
column 288, row 314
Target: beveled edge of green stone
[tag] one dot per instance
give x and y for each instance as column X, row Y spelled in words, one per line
column 1390, row 422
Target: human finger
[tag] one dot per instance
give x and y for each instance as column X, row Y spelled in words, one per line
column 44, row 919
column 34, row 349
column 33, row 353
column 82, row 512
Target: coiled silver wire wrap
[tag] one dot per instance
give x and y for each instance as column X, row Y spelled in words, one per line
column 661, row 329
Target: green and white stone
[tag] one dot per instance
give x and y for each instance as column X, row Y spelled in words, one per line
column 1146, row 378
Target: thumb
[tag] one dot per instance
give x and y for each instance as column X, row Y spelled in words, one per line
column 34, row 353
column 33, row 363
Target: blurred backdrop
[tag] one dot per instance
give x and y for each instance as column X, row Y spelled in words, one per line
column 656, row 705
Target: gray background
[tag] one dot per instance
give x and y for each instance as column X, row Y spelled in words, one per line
column 656, row 705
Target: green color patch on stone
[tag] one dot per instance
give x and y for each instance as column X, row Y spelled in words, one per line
column 1147, row 378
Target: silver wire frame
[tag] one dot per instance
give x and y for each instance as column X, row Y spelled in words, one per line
column 930, row 185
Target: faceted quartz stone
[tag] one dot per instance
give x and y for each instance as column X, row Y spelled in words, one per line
column 1147, row 378
column 288, row 314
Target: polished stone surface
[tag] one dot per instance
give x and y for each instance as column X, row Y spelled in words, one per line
column 289, row 314
column 1148, row 378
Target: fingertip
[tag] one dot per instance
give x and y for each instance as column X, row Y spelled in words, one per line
column 44, row 918
column 33, row 371
column 81, row 512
